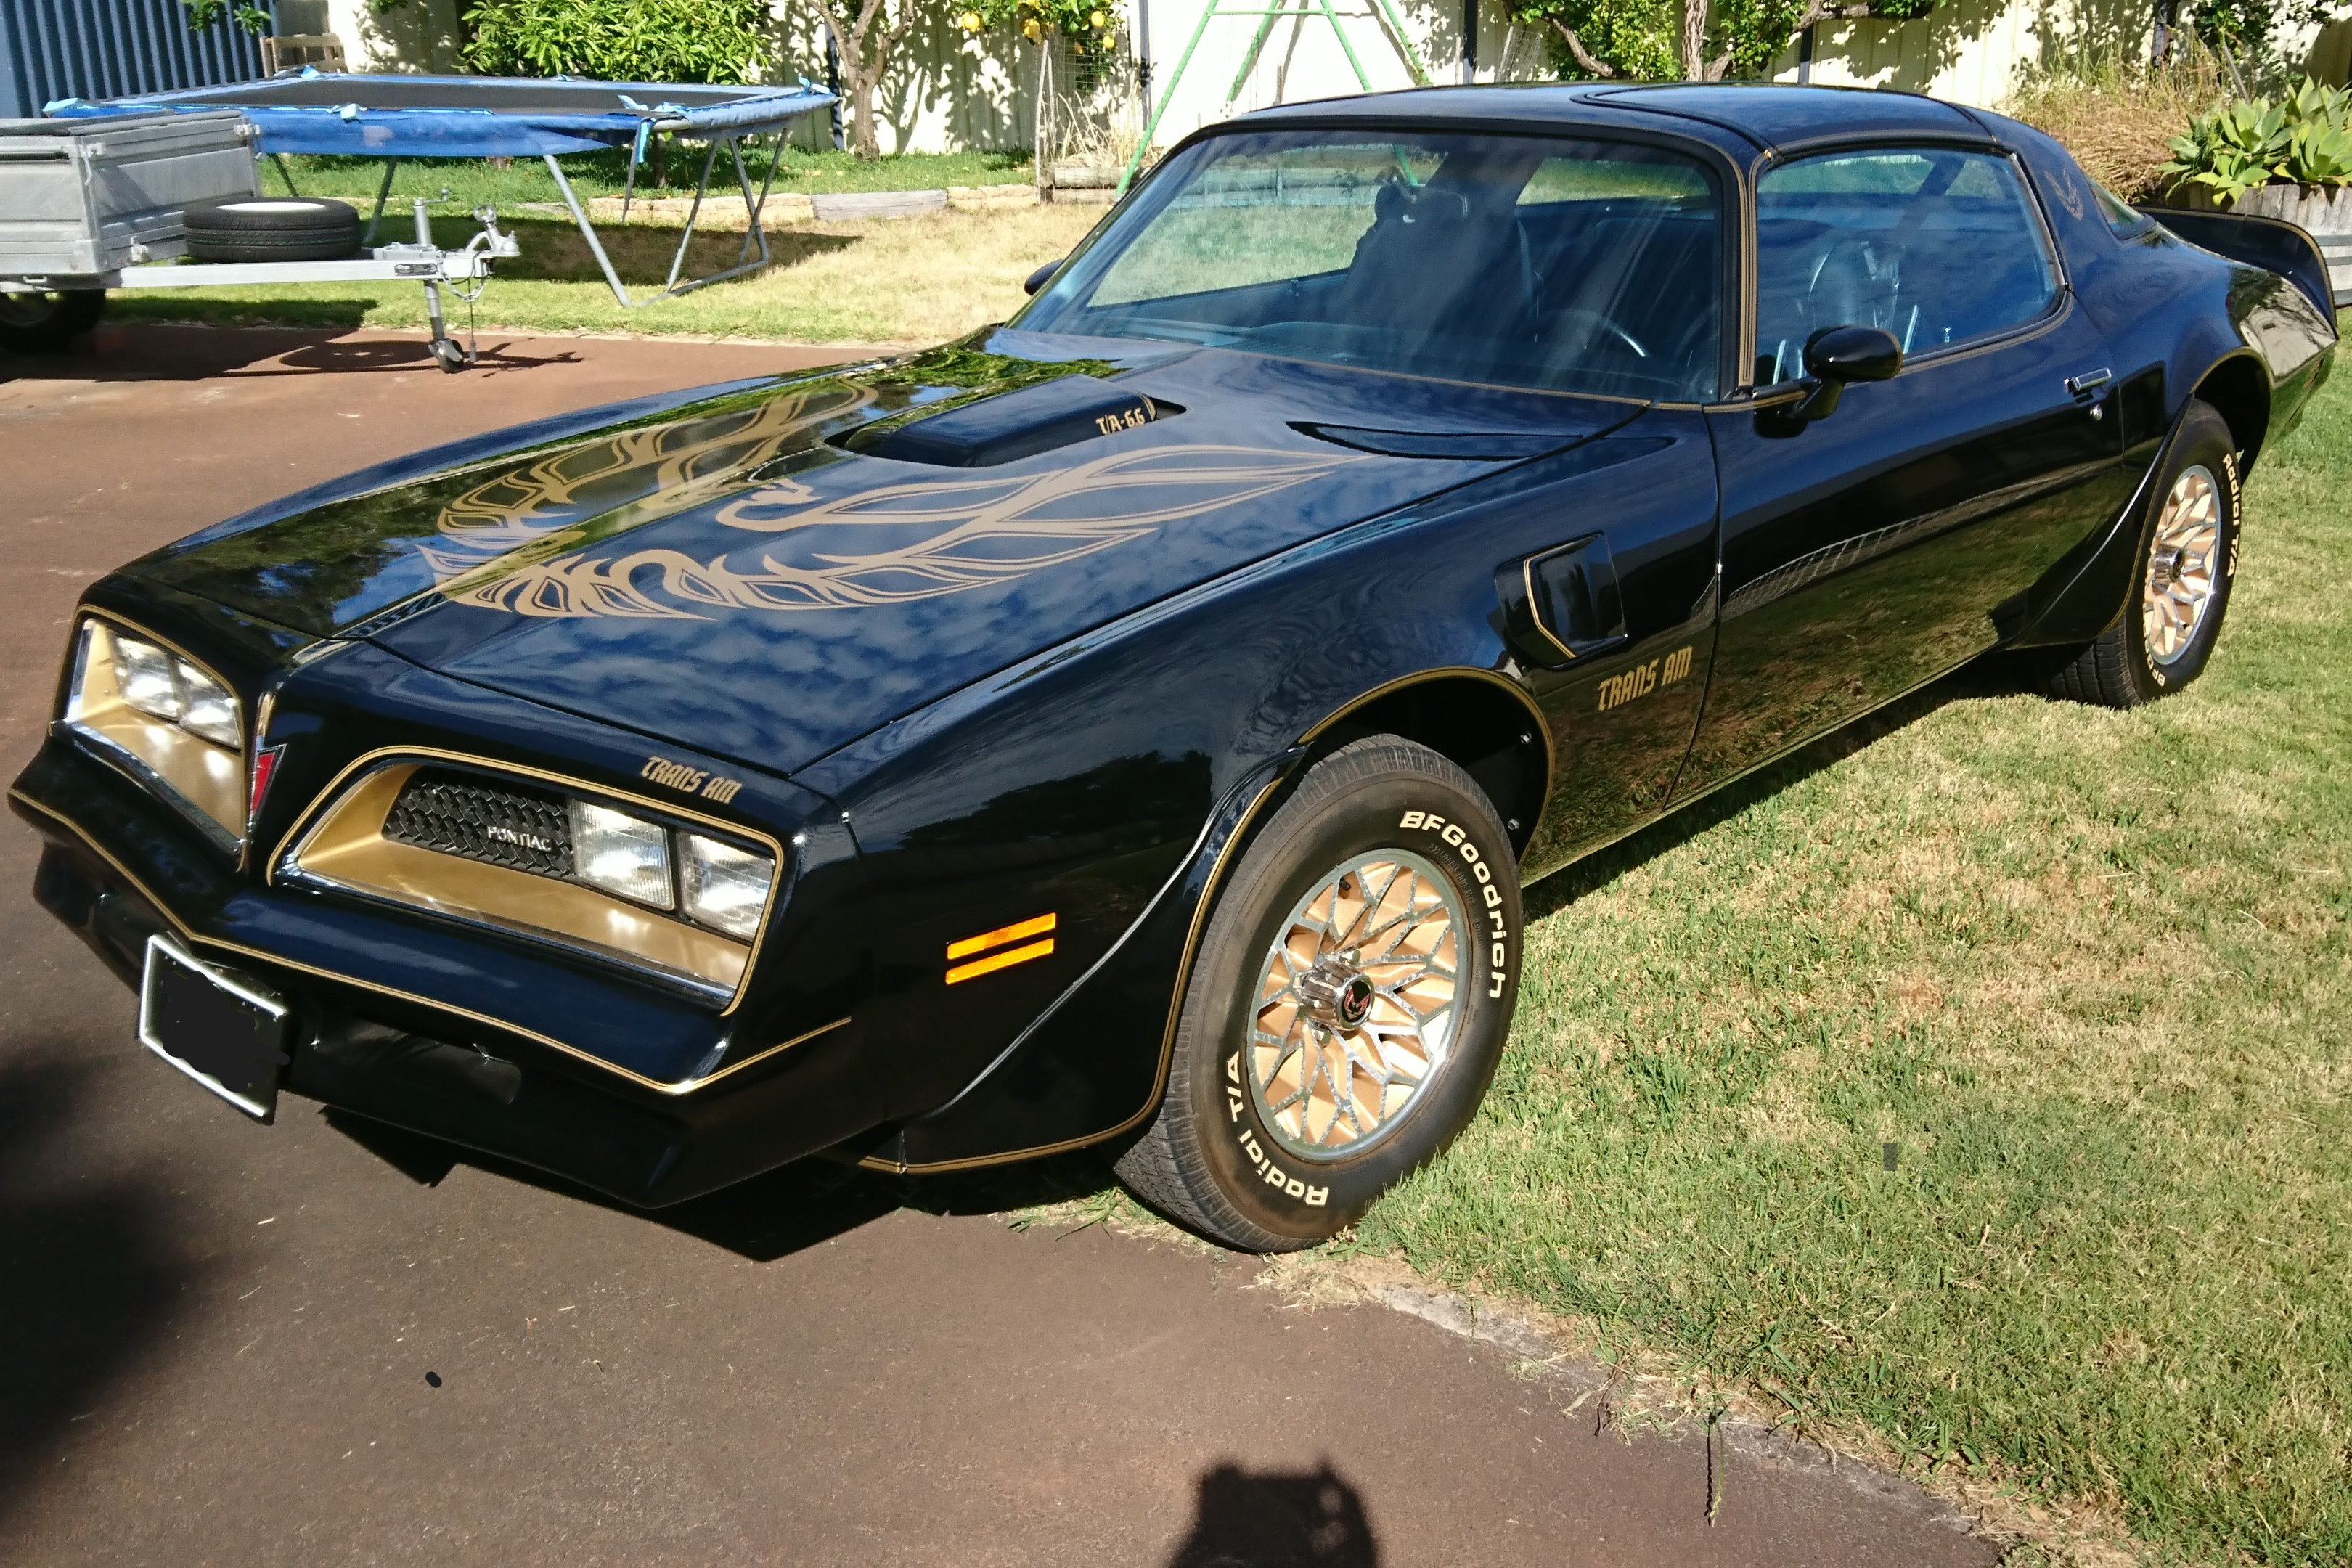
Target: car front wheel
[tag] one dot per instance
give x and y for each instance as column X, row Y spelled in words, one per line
column 1346, row 1006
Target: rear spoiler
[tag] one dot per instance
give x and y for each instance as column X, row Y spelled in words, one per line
column 2270, row 242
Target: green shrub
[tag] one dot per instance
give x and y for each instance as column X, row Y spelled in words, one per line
column 2302, row 138
column 620, row 40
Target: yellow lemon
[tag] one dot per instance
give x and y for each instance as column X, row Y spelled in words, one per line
column 971, row 20
column 1099, row 20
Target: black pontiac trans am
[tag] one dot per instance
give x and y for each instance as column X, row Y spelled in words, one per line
column 1133, row 725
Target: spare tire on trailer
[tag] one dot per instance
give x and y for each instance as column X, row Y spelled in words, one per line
column 47, row 323
column 271, row 228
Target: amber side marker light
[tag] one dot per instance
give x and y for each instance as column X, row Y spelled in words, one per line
column 960, row 973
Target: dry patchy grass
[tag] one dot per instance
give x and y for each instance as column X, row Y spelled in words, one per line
column 2116, row 118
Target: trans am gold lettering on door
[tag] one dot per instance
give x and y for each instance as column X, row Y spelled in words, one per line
column 689, row 781
column 1645, row 678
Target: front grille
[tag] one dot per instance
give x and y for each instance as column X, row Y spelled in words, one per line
column 458, row 813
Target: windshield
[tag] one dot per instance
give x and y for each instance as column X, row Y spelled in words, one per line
column 1531, row 261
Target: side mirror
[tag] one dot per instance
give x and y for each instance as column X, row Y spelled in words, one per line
column 1044, row 274
column 1836, row 355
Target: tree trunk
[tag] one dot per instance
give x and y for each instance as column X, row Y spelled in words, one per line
column 863, row 143
column 1694, row 40
column 861, row 53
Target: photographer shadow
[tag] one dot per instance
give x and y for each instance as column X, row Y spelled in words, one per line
column 1276, row 1519
column 97, row 1264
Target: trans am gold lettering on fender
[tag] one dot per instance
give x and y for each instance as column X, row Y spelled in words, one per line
column 689, row 781
column 1645, row 678
column 973, row 532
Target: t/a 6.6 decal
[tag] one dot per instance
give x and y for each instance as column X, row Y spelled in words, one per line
column 1498, row 934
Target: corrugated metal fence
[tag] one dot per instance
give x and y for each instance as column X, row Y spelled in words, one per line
column 106, row 48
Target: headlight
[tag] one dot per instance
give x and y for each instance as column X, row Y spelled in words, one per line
column 173, row 723
column 621, row 854
column 726, row 887
column 526, row 854
column 143, row 672
column 165, row 686
column 207, row 708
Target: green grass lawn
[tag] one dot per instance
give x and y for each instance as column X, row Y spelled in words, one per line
column 2090, row 971
column 474, row 181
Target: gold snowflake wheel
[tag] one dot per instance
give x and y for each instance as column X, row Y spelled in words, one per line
column 2184, row 566
column 1355, row 1006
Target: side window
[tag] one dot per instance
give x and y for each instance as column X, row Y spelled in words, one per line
column 1935, row 245
column 2122, row 217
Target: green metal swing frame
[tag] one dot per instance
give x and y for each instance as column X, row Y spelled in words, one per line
column 1267, row 15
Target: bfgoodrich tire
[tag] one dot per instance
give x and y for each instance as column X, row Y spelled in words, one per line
column 1346, row 1006
column 271, row 228
column 2188, row 558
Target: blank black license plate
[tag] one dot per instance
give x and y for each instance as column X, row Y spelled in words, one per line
column 224, row 1029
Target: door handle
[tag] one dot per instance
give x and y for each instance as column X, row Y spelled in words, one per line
column 2083, row 385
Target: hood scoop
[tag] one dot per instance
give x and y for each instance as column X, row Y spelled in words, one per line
column 1011, row 425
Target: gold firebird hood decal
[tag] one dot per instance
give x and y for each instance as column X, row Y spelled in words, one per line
column 966, row 531
column 630, row 477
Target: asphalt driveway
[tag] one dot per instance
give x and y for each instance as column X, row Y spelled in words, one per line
column 328, row 1342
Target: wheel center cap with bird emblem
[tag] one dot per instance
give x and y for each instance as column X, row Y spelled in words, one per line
column 1336, row 992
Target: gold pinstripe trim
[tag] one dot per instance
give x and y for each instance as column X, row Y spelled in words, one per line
column 1452, row 672
column 1423, row 678
column 655, row 1084
column 1535, row 607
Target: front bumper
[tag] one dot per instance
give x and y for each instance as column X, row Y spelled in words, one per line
column 412, row 1024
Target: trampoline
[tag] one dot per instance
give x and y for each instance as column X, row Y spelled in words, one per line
column 401, row 117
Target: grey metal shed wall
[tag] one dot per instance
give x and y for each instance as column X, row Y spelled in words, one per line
column 108, row 49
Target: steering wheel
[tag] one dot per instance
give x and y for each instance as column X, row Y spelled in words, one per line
column 1598, row 324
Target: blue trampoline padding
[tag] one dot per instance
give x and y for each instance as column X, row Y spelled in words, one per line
column 470, row 116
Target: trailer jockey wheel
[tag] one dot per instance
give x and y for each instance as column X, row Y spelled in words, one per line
column 47, row 323
column 271, row 228
column 453, row 357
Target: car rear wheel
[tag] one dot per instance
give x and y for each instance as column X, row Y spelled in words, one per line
column 1346, row 1006
column 2188, row 558
column 47, row 323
